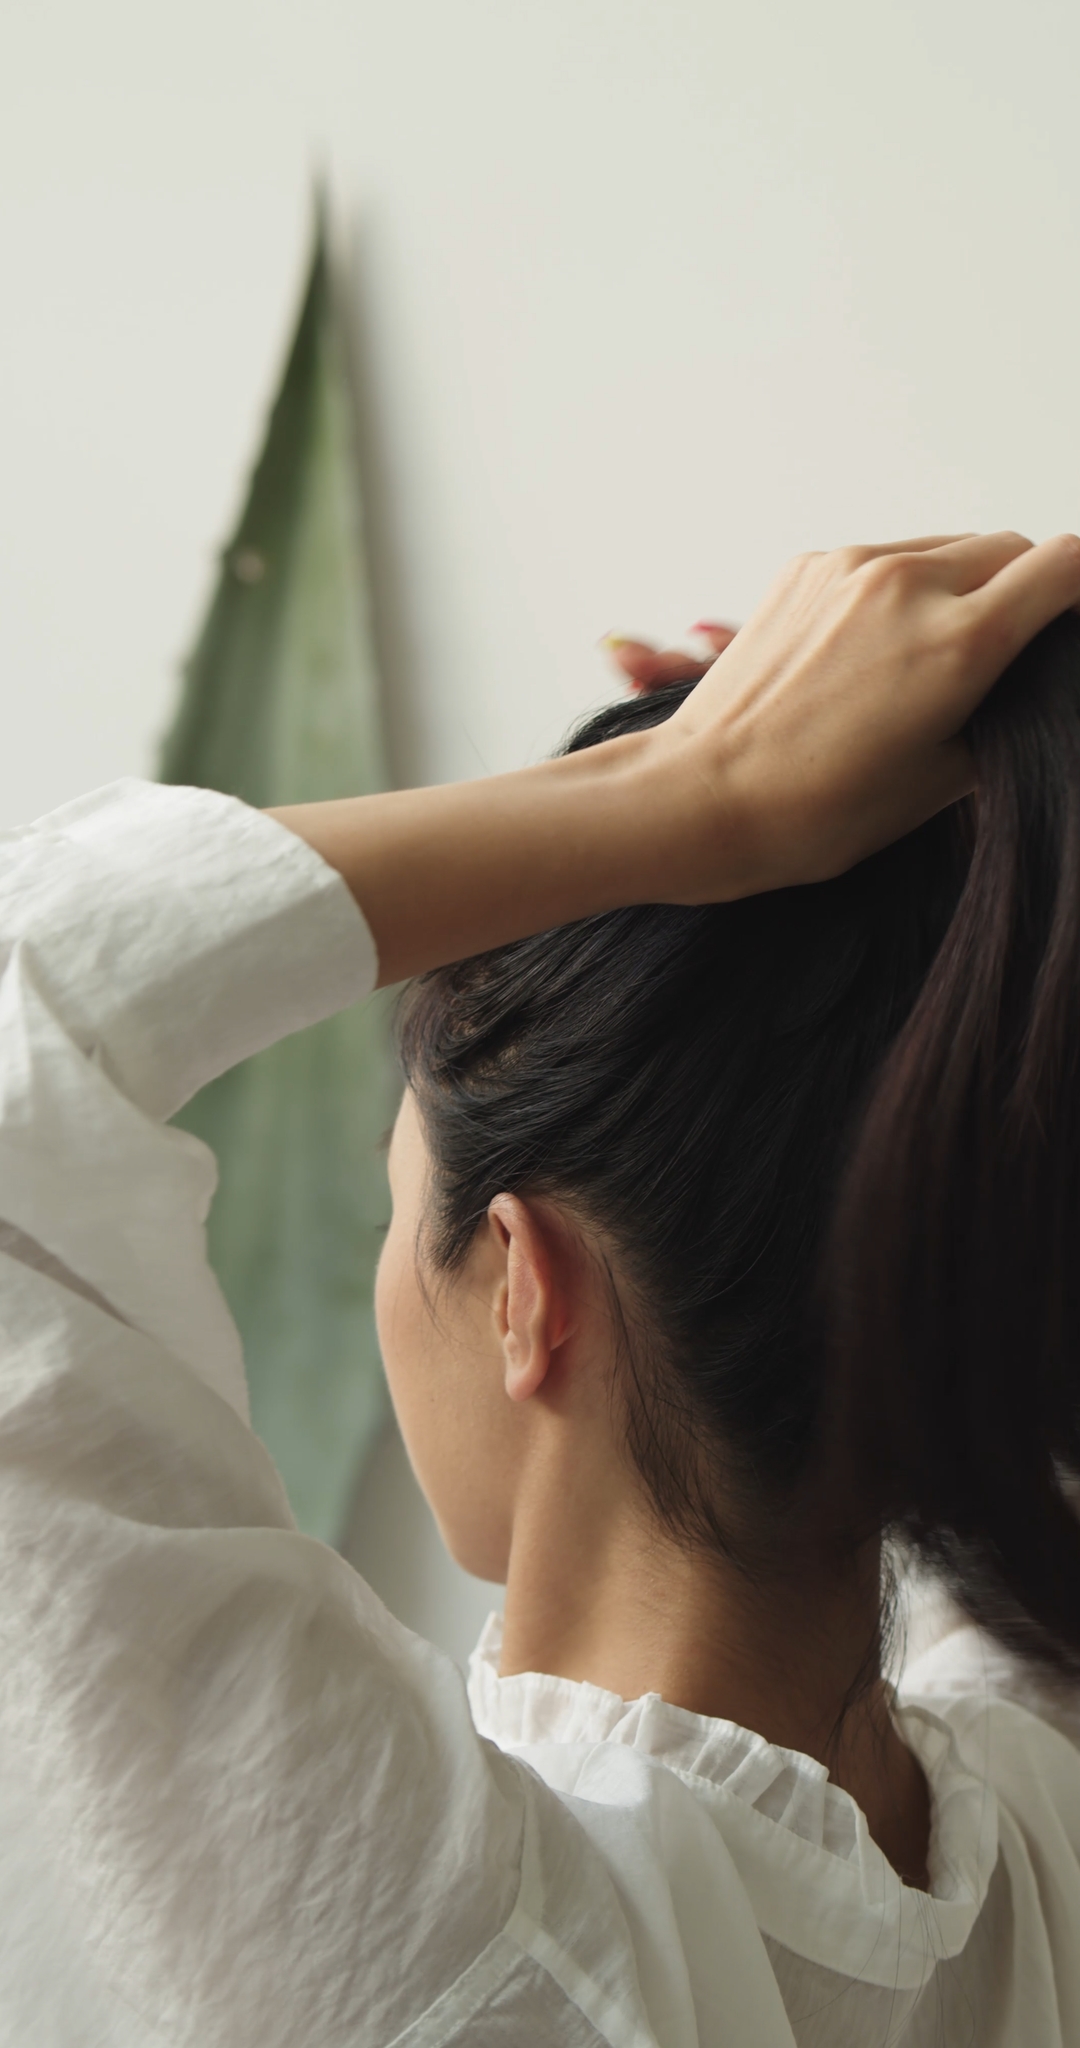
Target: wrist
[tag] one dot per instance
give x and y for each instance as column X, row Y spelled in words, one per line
column 643, row 818
column 602, row 812
column 686, row 828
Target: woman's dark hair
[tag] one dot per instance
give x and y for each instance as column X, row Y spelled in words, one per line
column 831, row 1139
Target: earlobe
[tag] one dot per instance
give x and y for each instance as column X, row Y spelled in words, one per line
column 529, row 1309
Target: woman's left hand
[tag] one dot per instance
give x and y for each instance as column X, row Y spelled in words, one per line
column 829, row 724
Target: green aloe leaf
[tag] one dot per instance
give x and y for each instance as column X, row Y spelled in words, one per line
column 280, row 703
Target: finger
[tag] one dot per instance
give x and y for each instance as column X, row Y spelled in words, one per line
column 670, row 667
column 717, row 635
column 629, row 655
column 649, row 668
column 1024, row 596
column 971, row 562
column 921, row 546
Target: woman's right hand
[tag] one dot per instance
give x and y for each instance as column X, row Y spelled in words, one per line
column 833, row 721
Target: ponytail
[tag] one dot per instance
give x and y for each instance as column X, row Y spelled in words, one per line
column 872, row 1081
column 954, row 1258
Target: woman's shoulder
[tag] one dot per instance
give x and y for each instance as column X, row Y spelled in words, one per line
column 965, row 1672
column 943, row 1659
column 1018, row 1731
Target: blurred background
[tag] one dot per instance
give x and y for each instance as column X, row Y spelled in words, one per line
column 644, row 296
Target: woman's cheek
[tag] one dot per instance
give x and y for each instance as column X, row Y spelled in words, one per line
column 409, row 1346
column 393, row 1311
column 443, row 1401
column 382, row 1318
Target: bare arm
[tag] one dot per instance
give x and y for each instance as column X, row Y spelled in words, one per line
column 828, row 727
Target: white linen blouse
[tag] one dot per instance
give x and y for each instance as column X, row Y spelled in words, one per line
column 239, row 1804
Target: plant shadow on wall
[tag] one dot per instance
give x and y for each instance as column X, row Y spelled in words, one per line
column 281, row 703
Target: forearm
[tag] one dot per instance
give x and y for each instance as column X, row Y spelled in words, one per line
column 444, row 872
column 828, row 728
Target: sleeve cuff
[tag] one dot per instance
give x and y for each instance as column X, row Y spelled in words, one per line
column 176, row 931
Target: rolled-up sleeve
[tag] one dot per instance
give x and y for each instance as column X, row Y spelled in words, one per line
column 238, row 1803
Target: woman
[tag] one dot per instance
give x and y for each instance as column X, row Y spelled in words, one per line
column 240, row 1804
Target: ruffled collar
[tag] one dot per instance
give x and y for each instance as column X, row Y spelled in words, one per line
column 533, row 1707
column 778, row 1809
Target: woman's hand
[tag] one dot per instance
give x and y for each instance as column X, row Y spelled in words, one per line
column 647, row 668
column 830, row 724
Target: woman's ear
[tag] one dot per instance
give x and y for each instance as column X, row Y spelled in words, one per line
column 531, row 1308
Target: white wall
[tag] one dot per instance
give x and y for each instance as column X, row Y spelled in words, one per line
column 654, row 292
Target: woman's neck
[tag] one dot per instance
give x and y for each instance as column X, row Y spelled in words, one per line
column 621, row 1605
